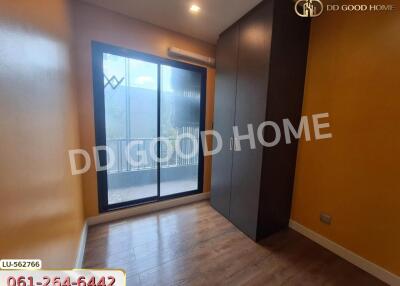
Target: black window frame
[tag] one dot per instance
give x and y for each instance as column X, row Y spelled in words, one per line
column 98, row 49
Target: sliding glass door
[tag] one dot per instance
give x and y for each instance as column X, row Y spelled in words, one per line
column 149, row 113
column 130, row 101
column 180, row 123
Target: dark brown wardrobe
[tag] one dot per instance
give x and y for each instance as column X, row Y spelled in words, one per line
column 261, row 64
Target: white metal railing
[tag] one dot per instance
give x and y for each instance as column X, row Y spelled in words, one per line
column 142, row 147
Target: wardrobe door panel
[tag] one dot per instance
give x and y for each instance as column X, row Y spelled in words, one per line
column 285, row 98
column 224, row 118
column 251, row 100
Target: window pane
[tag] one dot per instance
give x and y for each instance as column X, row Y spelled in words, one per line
column 131, row 124
column 180, row 124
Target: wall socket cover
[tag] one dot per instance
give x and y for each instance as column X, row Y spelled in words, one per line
column 325, row 218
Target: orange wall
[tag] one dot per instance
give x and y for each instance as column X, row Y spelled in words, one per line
column 353, row 73
column 40, row 201
column 94, row 23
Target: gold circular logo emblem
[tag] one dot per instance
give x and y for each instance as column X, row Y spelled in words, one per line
column 309, row 8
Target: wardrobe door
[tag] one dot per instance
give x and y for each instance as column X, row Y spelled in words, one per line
column 224, row 118
column 251, row 101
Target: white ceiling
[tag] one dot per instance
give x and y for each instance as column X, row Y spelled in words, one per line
column 215, row 15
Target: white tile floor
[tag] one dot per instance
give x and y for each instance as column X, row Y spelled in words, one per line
column 139, row 192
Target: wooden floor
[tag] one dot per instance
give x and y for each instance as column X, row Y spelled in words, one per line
column 195, row 245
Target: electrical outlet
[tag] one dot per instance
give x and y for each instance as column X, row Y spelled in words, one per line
column 325, row 218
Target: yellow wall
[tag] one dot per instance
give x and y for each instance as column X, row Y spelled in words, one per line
column 353, row 73
column 40, row 201
column 94, row 23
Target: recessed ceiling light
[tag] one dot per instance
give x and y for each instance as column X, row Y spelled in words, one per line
column 194, row 9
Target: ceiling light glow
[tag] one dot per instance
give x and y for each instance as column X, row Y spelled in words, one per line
column 194, row 9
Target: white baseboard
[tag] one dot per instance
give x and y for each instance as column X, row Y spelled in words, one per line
column 81, row 248
column 143, row 209
column 364, row 264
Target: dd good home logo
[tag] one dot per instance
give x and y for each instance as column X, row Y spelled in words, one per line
column 361, row 7
column 309, row 8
